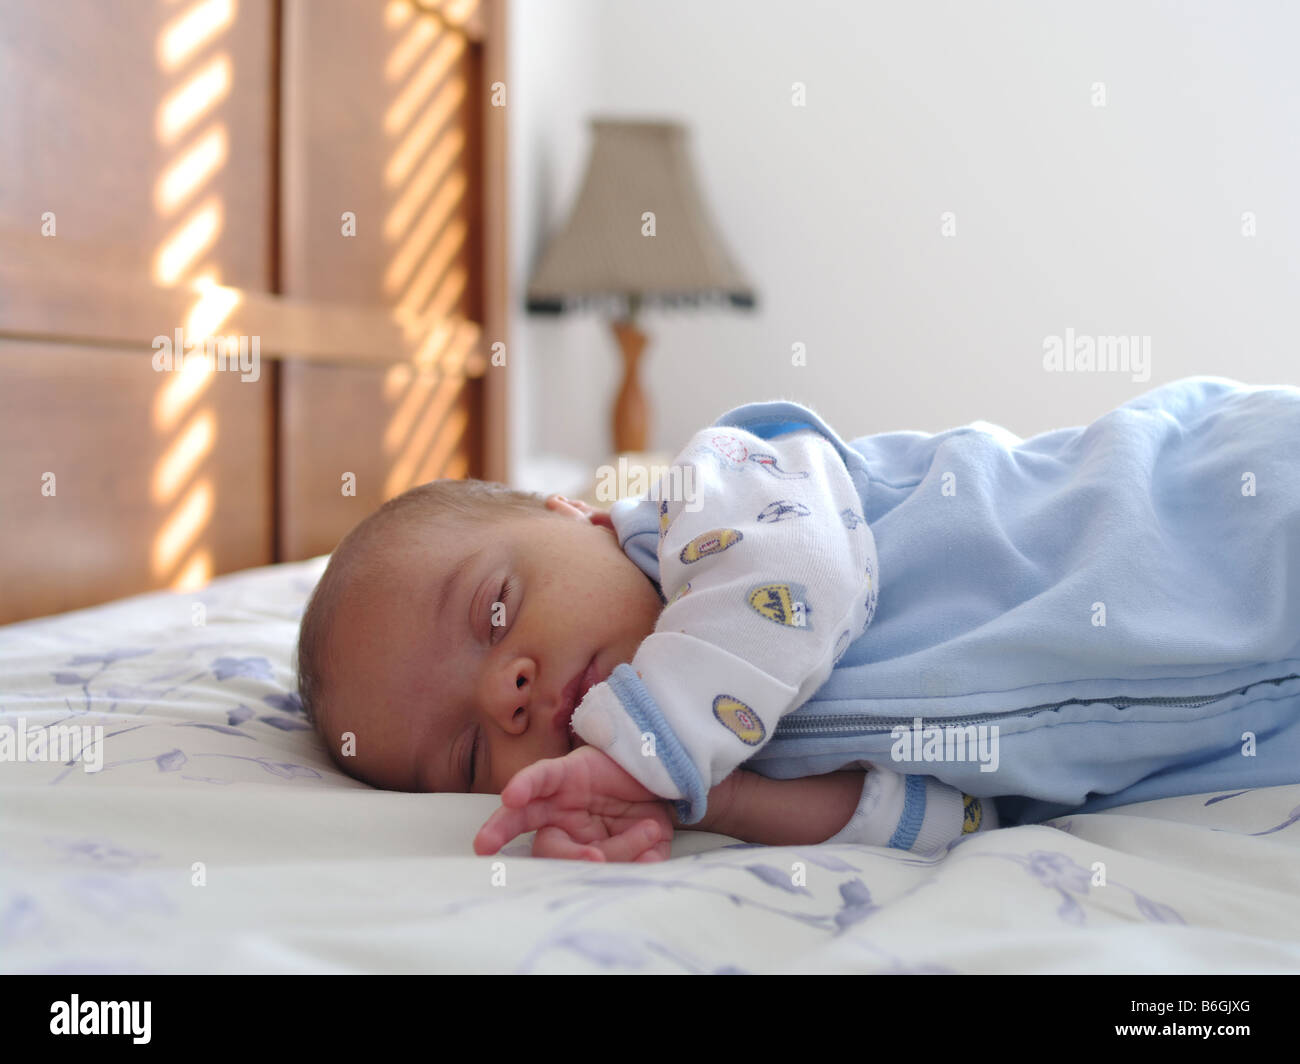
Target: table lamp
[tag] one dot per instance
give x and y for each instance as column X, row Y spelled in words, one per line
column 639, row 234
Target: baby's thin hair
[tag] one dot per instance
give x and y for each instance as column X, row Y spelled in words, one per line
column 356, row 557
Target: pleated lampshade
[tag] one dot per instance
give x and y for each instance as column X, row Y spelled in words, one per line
column 637, row 167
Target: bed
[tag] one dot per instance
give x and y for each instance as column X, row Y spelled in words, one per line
column 217, row 836
column 154, row 590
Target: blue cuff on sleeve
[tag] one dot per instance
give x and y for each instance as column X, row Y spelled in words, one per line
column 909, row 824
column 645, row 714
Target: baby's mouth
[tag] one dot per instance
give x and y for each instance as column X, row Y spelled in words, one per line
column 575, row 740
column 573, row 694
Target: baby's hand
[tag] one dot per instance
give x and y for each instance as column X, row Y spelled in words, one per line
column 584, row 806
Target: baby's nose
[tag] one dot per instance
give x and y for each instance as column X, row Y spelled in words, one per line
column 517, row 685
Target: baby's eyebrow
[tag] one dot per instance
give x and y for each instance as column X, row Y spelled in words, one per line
column 445, row 596
column 448, row 586
column 435, row 735
column 453, row 768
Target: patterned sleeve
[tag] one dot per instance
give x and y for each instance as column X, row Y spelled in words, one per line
column 768, row 569
column 916, row 813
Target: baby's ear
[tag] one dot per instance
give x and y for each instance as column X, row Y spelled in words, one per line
column 578, row 508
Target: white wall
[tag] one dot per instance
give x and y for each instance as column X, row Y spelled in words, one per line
column 1123, row 219
column 550, row 88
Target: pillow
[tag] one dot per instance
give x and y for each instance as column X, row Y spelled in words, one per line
column 181, row 689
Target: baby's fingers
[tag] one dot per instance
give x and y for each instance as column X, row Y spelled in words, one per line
column 541, row 779
column 506, row 824
column 660, row 851
column 630, row 844
column 555, row 843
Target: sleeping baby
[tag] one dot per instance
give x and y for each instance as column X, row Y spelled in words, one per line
column 897, row 641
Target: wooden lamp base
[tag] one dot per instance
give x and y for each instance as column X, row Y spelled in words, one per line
column 631, row 416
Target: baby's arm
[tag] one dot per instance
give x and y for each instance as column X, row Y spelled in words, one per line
column 879, row 808
column 781, row 812
column 769, row 576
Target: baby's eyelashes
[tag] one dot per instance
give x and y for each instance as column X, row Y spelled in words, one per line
column 498, row 620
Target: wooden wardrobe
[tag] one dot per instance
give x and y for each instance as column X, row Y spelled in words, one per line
column 321, row 180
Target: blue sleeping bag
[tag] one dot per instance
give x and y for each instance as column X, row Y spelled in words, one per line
column 1114, row 609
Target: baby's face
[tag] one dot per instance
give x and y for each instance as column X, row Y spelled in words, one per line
column 465, row 658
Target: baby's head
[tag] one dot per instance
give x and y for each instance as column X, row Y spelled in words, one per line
column 463, row 618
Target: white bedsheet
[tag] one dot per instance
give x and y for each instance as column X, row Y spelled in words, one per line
column 211, row 774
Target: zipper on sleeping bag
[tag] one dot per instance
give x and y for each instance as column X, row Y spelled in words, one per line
column 846, row 724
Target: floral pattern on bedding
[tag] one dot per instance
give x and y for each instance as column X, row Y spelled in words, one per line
column 175, row 683
column 840, row 901
column 222, row 875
